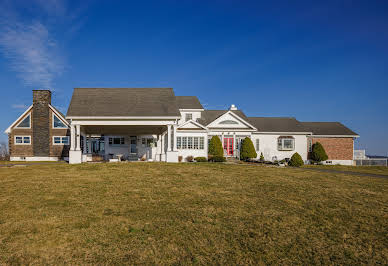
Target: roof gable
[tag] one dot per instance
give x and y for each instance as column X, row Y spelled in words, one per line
column 123, row 102
column 230, row 120
column 18, row 120
column 191, row 125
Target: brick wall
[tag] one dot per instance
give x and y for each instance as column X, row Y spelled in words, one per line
column 336, row 148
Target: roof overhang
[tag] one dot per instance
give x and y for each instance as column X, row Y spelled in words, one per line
column 335, row 136
column 191, row 122
column 282, row 133
column 191, row 110
column 122, row 117
column 236, row 116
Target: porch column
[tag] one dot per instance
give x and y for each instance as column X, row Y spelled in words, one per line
column 168, row 137
column 84, row 147
column 72, row 137
column 90, row 145
column 78, row 134
column 174, row 140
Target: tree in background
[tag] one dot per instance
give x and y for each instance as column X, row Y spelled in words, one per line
column 247, row 150
column 4, row 155
column 296, row 160
column 318, row 154
column 215, row 147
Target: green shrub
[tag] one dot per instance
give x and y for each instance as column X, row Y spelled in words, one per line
column 218, row 159
column 261, row 157
column 215, row 147
column 296, row 160
column 200, row 159
column 318, row 154
column 247, row 150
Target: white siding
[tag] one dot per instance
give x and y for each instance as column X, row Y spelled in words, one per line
column 192, row 152
column 196, row 115
column 269, row 148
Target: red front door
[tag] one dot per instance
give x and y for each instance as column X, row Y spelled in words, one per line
column 228, row 146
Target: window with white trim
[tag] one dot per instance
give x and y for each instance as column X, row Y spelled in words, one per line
column 57, row 123
column 188, row 116
column 190, row 143
column 25, row 123
column 22, row 140
column 286, row 143
column 61, row 140
column 257, row 144
column 116, row 141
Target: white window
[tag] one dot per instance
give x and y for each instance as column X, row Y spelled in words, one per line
column 57, row 123
column 189, row 142
column 61, row 140
column 188, row 116
column 310, row 145
column 22, row 140
column 116, row 141
column 196, row 143
column 184, row 142
column 178, row 142
column 286, row 143
column 25, row 123
column 257, row 144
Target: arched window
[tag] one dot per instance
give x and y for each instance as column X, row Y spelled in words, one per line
column 286, row 143
column 228, row 122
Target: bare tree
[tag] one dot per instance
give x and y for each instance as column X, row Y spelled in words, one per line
column 4, row 154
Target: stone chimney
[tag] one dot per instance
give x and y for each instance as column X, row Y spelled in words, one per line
column 233, row 107
column 41, row 122
column 41, row 97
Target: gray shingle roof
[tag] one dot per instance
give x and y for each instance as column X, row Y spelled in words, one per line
column 209, row 116
column 328, row 128
column 277, row 124
column 188, row 102
column 123, row 102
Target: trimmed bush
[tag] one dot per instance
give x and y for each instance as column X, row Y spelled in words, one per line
column 318, row 154
column 261, row 157
column 215, row 147
column 189, row 158
column 200, row 159
column 247, row 150
column 180, row 158
column 218, row 159
column 296, row 160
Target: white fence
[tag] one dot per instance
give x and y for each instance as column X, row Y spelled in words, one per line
column 372, row 162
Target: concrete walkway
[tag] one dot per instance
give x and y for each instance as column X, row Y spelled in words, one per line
column 343, row 172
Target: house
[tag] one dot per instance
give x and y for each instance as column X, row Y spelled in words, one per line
column 155, row 125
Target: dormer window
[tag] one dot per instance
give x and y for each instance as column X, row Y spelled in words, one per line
column 188, row 116
column 57, row 123
column 26, row 122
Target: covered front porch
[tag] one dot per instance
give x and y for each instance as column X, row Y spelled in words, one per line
column 123, row 140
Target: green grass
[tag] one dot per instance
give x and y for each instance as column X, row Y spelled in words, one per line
column 380, row 170
column 157, row 213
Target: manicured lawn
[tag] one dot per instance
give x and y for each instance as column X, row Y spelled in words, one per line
column 156, row 213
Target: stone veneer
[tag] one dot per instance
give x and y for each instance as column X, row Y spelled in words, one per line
column 40, row 123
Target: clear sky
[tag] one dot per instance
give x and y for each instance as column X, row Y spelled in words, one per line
column 313, row 60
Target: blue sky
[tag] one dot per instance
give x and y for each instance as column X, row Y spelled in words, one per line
column 313, row 60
